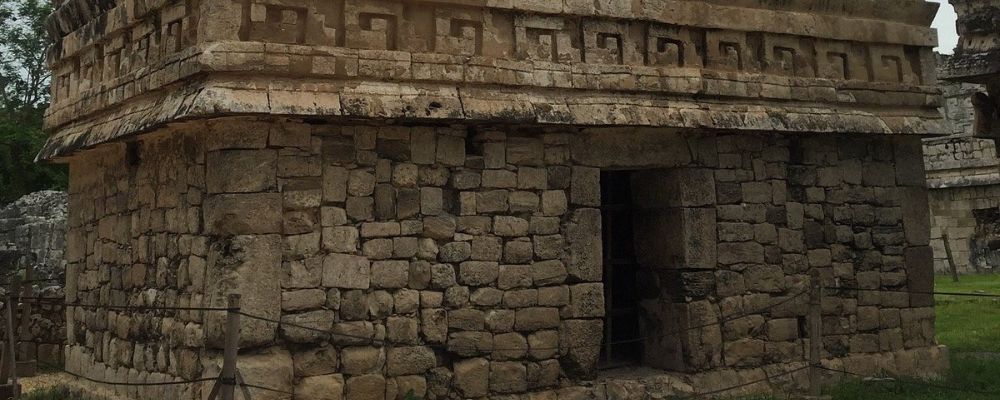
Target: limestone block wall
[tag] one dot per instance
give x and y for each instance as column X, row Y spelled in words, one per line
column 43, row 337
column 466, row 262
column 33, row 230
column 969, row 216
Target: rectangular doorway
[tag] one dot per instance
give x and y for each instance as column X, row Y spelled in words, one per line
column 622, row 343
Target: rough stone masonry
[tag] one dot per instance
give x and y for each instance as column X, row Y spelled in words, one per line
column 441, row 186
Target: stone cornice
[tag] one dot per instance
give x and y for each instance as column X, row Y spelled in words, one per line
column 853, row 56
column 436, row 103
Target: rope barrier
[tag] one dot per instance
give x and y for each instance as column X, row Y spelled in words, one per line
column 717, row 322
column 140, row 383
column 751, row 383
column 852, row 289
column 452, row 347
column 266, row 389
column 48, row 300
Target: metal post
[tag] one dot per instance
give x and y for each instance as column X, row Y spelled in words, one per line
column 228, row 377
column 815, row 332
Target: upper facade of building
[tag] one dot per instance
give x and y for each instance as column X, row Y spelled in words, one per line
column 978, row 54
column 852, row 66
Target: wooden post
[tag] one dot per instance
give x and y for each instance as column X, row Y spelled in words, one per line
column 951, row 260
column 815, row 332
column 11, row 350
column 228, row 377
column 28, row 365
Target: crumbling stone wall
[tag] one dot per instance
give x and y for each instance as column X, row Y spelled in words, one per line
column 33, row 230
column 465, row 261
column 44, row 335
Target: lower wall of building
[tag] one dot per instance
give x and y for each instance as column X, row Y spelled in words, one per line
column 970, row 217
column 466, row 262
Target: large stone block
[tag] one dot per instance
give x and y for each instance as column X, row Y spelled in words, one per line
column 676, row 238
column 916, row 215
column 579, row 342
column 346, row 271
column 321, row 387
column 653, row 148
column 472, row 377
column 920, row 275
column 240, row 171
column 681, row 187
column 910, row 162
column 584, row 255
column 243, row 214
column 413, row 360
column 249, row 266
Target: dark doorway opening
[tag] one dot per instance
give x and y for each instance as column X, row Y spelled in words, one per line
column 622, row 345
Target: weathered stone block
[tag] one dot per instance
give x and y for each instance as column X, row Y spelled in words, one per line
column 251, row 267
column 346, row 271
column 681, row 187
column 584, row 252
column 413, row 360
column 472, row 377
column 390, row 274
column 321, row 387
column 920, row 275
column 365, row 387
column 243, row 214
column 678, row 238
column 585, row 188
column 240, row 171
column 916, row 216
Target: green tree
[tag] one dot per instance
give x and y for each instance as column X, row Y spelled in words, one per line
column 24, row 88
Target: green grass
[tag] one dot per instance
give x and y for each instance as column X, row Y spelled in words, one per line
column 969, row 324
column 967, row 372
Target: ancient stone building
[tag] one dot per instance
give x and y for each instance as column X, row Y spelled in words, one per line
column 491, row 198
column 967, row 167
column 963, row 175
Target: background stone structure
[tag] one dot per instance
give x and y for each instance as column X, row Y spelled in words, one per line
column 33, row 229
column 963, row 175
column 430, row 184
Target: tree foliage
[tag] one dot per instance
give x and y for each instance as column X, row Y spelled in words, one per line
column 24, row 88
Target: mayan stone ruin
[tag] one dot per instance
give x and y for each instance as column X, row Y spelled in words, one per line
column 963, row 178
column 512, row 199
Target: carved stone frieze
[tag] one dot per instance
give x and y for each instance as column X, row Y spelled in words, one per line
column 752, row 50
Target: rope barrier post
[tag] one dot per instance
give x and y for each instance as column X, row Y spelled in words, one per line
column 10, row 355
column 28, row 365
column 815, row 332
column 228, row 377
column 951, row 260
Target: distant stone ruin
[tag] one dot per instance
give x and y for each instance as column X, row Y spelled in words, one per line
column 33, row 230
column 963, row 175
column 495, row 199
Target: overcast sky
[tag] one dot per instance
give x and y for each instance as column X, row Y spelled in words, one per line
column 945, row 24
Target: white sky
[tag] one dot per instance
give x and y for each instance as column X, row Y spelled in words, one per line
column 945, row 24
